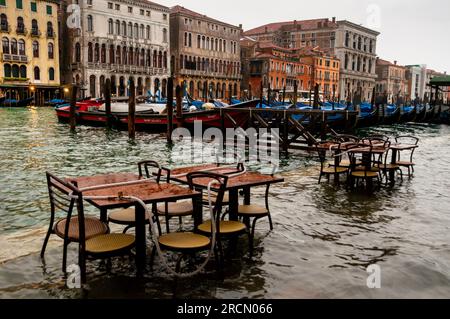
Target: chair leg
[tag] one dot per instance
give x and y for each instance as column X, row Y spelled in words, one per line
column 270, row 221
column 64, row 263
column 320, row 178
column 127, row 229
column 47, row 237
column 152, row 257
column 252, row 237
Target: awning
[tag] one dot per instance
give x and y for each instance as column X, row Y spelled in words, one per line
column 440, row 81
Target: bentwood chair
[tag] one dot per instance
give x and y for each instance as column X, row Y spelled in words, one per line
column 348, row 141
column 93, row 237
column 368, row 172
column 409, row 164
column 327, row 170
column 189, row 243
column 387, row 168
column 127, row 217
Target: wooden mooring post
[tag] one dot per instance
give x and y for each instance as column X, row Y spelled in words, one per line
column 107, row 90
column 73, row 105
column 295, row 93
column 179, row 99
column 132, row 111
column 170, row 109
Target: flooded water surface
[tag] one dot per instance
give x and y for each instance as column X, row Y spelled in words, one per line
column 324, row 237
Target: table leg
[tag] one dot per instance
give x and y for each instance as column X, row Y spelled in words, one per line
column 140, row 239
column 198, row 212
column 392, row 172
column 247, row 200
column 104, row 215
column 234, row 204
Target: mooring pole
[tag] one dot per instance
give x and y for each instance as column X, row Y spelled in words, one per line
column 170, row 109
column 73, row 105
column 261, row 96
column 316, row 97
column 132, row 111
column 269, row 93
column 295, row 93
column 284, row 94
column 107, row 90
column 179, row 106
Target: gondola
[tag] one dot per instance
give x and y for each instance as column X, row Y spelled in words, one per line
column 17, row 103
column 408, row 114
column 392, row 114
column 368, row 115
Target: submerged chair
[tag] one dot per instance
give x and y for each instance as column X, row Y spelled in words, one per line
column 327, row 169
column 189, row 243
column 388, row 168
column 405, row 163
column 127, row 217
column 93, row 237
column 365, row 173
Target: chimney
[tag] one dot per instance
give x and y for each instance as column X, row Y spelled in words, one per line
column 395, row 62
column 295, row 22
column 265, row 29
column 334, row 19
column 240, row 26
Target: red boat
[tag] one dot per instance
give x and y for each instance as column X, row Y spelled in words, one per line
column 89, row 113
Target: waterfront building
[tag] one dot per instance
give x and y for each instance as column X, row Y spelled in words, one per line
column 353, row 44
column 429, row 95
column 205, row 54
column 416, row 76
column 391, row 81
column 120, row 40
column 30, row 49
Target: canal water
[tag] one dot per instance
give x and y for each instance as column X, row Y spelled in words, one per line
column 324, row 237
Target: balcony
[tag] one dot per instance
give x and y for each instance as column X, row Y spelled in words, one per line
column 50, row 34
column 210, row 74
column 15, row 58
column 35, row 33
column 5, row 28
column 21, row 30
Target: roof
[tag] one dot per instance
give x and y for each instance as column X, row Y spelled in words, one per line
column 182, row 10
column 441, row 81
column 304, row 24
column 382, row 62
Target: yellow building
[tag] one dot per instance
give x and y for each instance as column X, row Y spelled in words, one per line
column 30, row 50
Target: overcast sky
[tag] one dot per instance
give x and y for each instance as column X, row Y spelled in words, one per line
column 412, row 31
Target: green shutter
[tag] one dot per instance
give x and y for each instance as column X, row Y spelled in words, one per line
column 19, row 4
column 49, row 10
column 3, row 3
column 33, row 7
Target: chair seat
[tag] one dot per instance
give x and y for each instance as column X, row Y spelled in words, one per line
column 403, row 163
column 225, row 201
column 93, row 227
column 363, row 168
column 125, row 216
column 252, row 210
column 184, row 241
column 109, row 244
column 176, row 209
column 344, row 163
column 226, row 227
column 364, row 174
column 335, row 170
column 389, row 166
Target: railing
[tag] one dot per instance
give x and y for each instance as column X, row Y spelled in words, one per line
column 50, row 34
column 35, row 33
column 210, row 74
column 21, row 30
column 15, row 58
column 5, row 28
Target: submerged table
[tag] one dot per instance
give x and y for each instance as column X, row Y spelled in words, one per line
column 148, row 191
column 242, row 182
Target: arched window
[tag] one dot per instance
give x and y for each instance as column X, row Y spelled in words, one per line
column 51, row 74
column 90, row 23
column 190, row 40
column 15, row 71
column 36, row 49
column 148, row 32
column 50, row 51
column 97, row 53
column 155, row 58
column 103, row 53
column 77, row 51
column 148, row 59
column 185, row 39
column 142, row 62
column 20, row 25
column 142, row 36
column 37, row 73
column 181, row 61
column 34, row 27
column 3, row 22
column 92, row 81
column 118, row 55
column 130, row 56
column 23, row 71
column 124, row 55
column 130, row 29
column 165, row 35
column 5, row 45
column 117, row 27
column 199, row 41
column 90, row 52
column 160, row 59
column 7, row 70
column 21, row 45
column 124, row 28
column 110, row 26
column 13, row 46
column 165, row 60
column 136, row 30
column 111, row 54
column 50, row 29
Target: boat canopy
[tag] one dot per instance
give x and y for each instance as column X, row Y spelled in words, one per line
column 440, row 81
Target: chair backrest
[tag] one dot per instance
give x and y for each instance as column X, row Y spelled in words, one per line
column 345, row 138
column 64, row 196
column 200, row 180
column 151, row 169
column 408, row 139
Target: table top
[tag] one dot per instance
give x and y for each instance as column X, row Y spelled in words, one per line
column 368, row 150
column 248, row 179
column 404, row 147
column 147, row 190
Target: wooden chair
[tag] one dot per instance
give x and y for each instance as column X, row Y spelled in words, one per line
column 349, row 141
column 189, row 243
column 367, row 174
column 327, row 170
column 405, row 163
column 93, row 237
column 127, row 217
column 388, row 168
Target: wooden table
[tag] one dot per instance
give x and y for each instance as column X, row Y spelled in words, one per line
column 243, row 182
column 397, row 148
column 148, row 191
